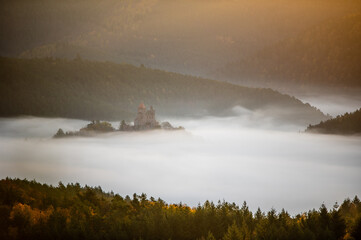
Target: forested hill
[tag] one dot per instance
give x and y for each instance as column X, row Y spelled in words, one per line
column 30, row 210
column 349, row 123
column 327, row 55
column 103, row 90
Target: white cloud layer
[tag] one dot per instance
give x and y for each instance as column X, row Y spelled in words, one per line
column 240, row 158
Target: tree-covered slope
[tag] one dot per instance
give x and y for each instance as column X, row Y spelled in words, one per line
column 103, row 90
column 349, row 123
column 327, row 55
column 30, row 210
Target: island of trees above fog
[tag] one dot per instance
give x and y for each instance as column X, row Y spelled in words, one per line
column 349, row 123
column 30, row 210
column 145, row 120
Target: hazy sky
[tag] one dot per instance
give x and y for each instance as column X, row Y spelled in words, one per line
column 245, row 158
column 188, row 36
column 332, row 104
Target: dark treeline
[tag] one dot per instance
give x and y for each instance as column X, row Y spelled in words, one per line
column 95, row 127
column 30, row 210
column 349, row 123
column 103, row 90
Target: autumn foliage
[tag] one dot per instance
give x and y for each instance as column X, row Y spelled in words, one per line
column 30, row 210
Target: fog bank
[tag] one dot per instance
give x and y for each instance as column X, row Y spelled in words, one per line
column 236, row 159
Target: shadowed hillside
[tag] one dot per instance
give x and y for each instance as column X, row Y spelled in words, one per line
column 349, row 123
column 87, row 90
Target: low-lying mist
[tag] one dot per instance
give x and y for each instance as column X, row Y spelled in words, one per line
column 245, row 158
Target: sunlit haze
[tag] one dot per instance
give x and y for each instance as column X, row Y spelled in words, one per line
column 180, row 119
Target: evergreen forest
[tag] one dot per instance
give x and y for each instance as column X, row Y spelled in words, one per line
column 89, row 90
column 31, row 210
column 348, row 123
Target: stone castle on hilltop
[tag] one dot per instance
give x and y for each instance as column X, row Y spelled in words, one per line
column 145, row 118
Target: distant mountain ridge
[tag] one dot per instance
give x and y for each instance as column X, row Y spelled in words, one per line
column 190, row 37
column 328, row 55
column 102, row 90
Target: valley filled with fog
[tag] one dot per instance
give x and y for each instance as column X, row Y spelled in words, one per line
column 248, row 157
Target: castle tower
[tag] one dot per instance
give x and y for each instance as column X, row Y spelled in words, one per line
column 142, row 108
column 140, row 120
column 145, row 118
column 152, row 113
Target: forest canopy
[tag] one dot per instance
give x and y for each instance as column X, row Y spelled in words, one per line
column 103, row 90
column 348, row 123
column 31, row 210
